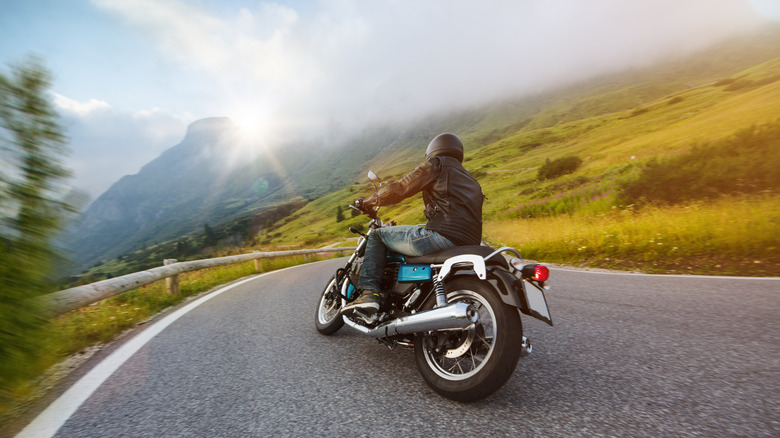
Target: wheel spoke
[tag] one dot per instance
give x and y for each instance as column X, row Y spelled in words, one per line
column 474, row 347
column 457, row 364
column 483, row 341
column 329, row 304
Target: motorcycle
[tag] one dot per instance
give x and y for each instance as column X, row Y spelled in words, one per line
column 459, row 309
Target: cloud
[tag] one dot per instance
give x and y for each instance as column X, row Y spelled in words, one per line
column 352, row 62
column 80, row 108
column 107, row 143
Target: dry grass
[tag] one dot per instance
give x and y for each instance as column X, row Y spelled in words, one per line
column 731, row 236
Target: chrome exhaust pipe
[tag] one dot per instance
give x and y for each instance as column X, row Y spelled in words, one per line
column 456, row 316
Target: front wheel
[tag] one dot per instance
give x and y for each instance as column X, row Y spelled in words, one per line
column 467, row 365
column 328, row 319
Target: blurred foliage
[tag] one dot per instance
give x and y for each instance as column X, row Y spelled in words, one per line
column 31, row 212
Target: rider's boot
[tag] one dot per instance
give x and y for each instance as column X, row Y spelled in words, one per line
column 367, row 303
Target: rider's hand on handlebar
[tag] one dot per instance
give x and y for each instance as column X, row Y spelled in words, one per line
column 360, row 204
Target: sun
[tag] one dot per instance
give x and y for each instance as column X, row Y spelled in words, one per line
column 251, row 122
column 254, row 131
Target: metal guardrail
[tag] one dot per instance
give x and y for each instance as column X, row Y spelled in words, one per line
column 80, row 296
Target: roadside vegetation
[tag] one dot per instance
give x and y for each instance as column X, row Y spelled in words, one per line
column 32, row 209
column 685, row 183
column 77, row 333
column 729, row 236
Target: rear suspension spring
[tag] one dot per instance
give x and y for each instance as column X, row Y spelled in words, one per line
column 441, row 294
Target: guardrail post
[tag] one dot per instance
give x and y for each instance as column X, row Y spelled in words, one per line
column 172, row 282
column 258, row 263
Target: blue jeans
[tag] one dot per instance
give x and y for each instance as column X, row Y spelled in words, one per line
column 408, row 240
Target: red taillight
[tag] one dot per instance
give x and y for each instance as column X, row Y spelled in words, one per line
column 536, row 272
column 541, row 273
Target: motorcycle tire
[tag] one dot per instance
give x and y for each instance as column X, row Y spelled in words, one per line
column 467, row 365
column 328, row 318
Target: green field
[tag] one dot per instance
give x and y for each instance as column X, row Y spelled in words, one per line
column 684, row 183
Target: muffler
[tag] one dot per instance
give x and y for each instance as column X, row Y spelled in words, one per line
column 456, row 316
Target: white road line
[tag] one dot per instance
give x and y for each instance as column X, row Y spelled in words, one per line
column 639, row 274
column 48, row 422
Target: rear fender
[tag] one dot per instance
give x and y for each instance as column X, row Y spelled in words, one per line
column 501, row 280
column 512, row 291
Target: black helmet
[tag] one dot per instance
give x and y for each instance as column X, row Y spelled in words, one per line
column 445, row 144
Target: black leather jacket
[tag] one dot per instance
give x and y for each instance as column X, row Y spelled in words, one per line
column 453, row 198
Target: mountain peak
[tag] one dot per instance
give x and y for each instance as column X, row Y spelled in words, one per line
column 211, row 123
column 210, row 127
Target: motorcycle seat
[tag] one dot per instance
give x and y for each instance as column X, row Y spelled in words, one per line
column 440, row 257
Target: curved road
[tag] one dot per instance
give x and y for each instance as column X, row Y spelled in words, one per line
column 630, row 355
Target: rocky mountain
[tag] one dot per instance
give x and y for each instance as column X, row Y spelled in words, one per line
column 188, row 185
column 210, row 177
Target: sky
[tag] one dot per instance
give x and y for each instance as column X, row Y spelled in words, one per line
column 130, row 75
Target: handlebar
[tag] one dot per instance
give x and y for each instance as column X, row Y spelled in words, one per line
column 368, row 212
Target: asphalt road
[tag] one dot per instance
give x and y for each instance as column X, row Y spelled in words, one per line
column 630, row 355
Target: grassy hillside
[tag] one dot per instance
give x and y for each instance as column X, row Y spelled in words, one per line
column 616, row 131
column 615, row 149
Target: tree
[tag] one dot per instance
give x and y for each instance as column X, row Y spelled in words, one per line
column 32, row 210
column 210, row 237
column 339, row 214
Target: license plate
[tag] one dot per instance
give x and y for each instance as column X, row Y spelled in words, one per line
column 537, row 302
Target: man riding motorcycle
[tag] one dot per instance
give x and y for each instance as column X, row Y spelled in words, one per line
column 453, row 206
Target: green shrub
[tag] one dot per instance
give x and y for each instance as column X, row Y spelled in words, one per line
column 639, row 112
column 747, row 83
column 559, row 167
column 676, row 99
column 747, row 163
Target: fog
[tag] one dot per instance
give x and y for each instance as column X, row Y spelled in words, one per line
column 301, row 67
column 309, row 64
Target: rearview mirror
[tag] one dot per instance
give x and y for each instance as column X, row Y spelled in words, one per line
column 374, row 179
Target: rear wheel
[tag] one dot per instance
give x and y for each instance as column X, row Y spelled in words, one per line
column 467, row 365
column 328, row 319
